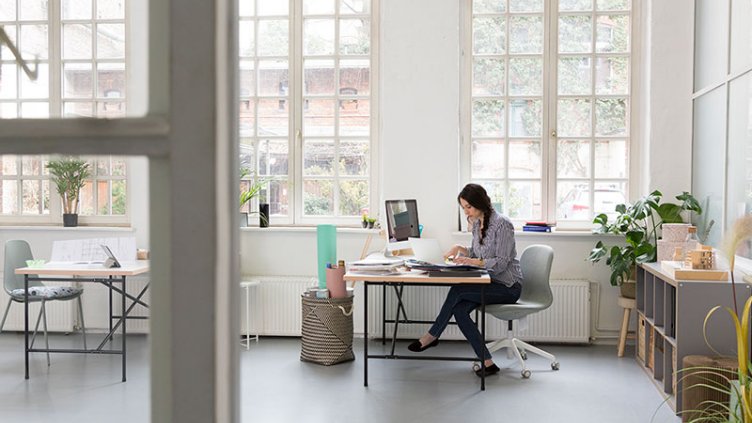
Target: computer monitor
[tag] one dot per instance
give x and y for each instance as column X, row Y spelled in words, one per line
column 402, row 223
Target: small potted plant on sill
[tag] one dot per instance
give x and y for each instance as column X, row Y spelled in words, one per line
column 641, row 224
column 69, row 175
column 254, row 190
column 364, row 222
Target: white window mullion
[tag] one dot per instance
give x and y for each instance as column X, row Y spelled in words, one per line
column 549, row 138
column 297, row 95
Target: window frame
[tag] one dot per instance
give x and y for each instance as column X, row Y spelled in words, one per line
column 549, row 114
column 297, row 99
column 55, row 101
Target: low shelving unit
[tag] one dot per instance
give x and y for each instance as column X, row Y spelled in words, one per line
column 670, row 318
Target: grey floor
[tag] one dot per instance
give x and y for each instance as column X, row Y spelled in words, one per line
column 592, row 386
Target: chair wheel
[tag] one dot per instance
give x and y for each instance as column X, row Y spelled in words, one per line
column 476, row 366
column 526, row 374
column 555, row 365
column 523, row 354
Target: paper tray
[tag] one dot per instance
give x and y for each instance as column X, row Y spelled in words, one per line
column 677, row 272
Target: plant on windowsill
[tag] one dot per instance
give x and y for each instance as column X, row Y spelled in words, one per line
column 641, row 224
column 69, row 175
column 253, row 191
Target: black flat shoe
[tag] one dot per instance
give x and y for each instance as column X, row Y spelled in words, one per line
column 416, row 347
column 490, row 370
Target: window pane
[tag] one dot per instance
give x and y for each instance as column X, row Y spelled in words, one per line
column 318, row 37
column 31, row 165
column 246, row 8
column 524, row 200
column 495, row 190
column 573, row 118
column 278, row 197
column 525, row 5
column 524, row 159
column 318, row 158
column 77, row 41
column 489, row 6
column 10, row 197
column 575, row 34
column 318, row 198
column 32, row 10
column 489, row 35
column 8, row 10
column 273, row 78
column 111, row 80
column 76, row 9
column 354, row 157
column 711, row 31
column 526, row 34
column 273, row 117
column 102, row 167
column 10, row 164
column 612, row 75
column 573, row 159
column 488, row 118
column 78, row 80
column 608, row 195
column 575, row 5
column 488, row 77
column 78, row 109
column 574, row 75
column 353, row 197
column 86, row 200
column 39, row 88
column 354, row 117
column 8, row 82
column 246, row 38
column 573, row 201
column 611, row 116
column 611, row 159
column 8, row 111
column 355, row 75
column 741, row 37
column 318, row 77
column 11, row 32
column 110, row 9
column 739, row 177
column 318, row 7
column 612, row 34
column 354, row 36
column 103, row 198
column 34, row 42
column 247, row 125
column 526, row 76
column 272, row 7
column 118, row 166
column 612, row 4
column 119, row 198
column 488, row 159
column 111, row 41
column 318, row 118
column 273, row 157
column 39, row 110
column 525, row 118
column 354, row 6
column 273, row 37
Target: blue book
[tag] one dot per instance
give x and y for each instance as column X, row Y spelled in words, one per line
column 534, row 228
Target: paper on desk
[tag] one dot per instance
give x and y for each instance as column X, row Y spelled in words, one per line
column 88, row 250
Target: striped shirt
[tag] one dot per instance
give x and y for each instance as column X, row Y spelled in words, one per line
column 498, row 250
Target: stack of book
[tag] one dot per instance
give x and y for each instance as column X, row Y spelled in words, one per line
column 538, row 227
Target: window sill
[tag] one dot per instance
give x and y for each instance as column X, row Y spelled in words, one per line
column 63, row 228
column 555, row 234
column 311, row 229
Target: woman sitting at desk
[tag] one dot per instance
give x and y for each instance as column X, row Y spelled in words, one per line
column 493, row 247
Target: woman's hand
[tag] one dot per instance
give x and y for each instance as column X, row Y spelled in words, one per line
column 469, row 261
column 455, row 252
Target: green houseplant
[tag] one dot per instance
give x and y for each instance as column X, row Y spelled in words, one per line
column 640, row 223
column 69, row 175
column 248, row 194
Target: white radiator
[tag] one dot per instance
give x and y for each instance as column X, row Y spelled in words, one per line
column 566, row 321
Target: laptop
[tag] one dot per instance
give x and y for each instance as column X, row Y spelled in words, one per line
column 111, row 261
column 427, row 249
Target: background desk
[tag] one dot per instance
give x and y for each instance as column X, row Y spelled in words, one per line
column 415, row 279
column 68, row 272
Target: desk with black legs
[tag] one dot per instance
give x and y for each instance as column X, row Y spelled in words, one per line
column 414, row 279
column 68, row 272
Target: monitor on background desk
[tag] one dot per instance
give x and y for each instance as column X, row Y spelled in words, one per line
column 402, row 223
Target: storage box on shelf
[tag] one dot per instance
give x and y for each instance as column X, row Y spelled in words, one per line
column 670, row 316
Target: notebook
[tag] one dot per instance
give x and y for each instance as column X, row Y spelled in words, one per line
column 427, row 249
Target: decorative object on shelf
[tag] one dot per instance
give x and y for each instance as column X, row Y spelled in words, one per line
column 253, row 191
column 640, row 223
column 700, row 258
column 69, row 175
column 368, row 222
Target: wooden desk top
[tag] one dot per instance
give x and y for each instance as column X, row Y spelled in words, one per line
column 72, row 269
column 415, row 277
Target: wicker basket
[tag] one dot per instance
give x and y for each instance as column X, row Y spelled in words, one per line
column 327, row 330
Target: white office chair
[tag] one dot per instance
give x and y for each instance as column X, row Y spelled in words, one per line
column 16, row 254
column 536, row 296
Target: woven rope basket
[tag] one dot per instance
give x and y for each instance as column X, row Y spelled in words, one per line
column 327, row 330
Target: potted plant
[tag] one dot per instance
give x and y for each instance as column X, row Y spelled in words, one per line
column 640, row 223
column 254, row 190
column 69, row 175
column 364, row 222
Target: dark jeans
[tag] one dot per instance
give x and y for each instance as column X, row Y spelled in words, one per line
column 463, row 299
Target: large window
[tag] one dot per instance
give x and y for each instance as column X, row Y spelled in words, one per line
column 306, row 83
column 548, row 106
column 81, row 49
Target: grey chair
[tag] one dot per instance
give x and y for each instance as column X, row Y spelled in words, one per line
column 16, row 254
column 536, row 296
